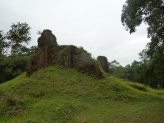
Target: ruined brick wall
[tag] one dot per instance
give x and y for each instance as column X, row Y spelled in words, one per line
column 49, row 53
column 42, row 59
column 104, row 63
column 46, row 39
column 72, row 57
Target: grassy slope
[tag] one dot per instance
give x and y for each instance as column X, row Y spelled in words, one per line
column 64, row 95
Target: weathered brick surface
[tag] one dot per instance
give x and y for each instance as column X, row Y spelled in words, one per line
column 104, row 63
column 46, row 39
column 50, row 53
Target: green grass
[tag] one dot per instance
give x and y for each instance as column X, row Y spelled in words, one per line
column 58, row 95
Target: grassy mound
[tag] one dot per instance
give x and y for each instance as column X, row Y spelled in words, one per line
column 62, row 95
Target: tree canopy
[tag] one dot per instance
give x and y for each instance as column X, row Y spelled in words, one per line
column 150, row 12
column 14, row 64
column 20, row 33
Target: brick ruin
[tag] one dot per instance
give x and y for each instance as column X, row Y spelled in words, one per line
column 129, row 77
column 50, row 53
column 104, row 63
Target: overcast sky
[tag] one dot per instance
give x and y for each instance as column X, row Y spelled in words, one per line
column 93, row 24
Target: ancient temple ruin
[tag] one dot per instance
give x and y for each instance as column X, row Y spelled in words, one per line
column 50, row 53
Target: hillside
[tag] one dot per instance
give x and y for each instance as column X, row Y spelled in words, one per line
column 59, row 95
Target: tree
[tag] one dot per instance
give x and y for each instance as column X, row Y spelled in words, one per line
column 24, row 51
column 17, row 35
column 143, row 56
column 15, row 64
column 149, row 11
column 12, row 66
column 116, row 69
column 127, row 69
column 147, row 70
column 3, row 43
column 157, row 60
column 134, row 65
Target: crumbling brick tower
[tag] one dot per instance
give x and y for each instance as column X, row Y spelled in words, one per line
column 104, row 63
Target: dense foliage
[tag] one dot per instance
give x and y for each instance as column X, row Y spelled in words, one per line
column 146, row 71
column 12, row 65
column 15, row 64
column 122, row 72
column 151, row 12
column 20, row 33
column 116, row 69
